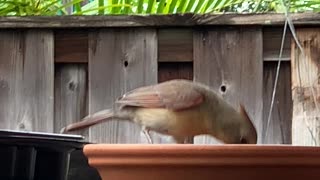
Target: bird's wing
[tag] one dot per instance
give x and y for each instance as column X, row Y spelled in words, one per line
column 174, row 95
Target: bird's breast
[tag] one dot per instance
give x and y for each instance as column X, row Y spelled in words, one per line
column 181, row 123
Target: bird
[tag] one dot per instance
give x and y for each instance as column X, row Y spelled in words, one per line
column 179, row 108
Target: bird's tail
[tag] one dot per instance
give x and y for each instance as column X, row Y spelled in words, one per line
column 89, row 120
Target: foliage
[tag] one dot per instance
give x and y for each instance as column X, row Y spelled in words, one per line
column 34, row 7
column 164, row 6
column 79, row 7
column 201, row 6
column 276, row 6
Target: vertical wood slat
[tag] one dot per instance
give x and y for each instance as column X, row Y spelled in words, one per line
column 10, row 63
column 39, row 78
column 71, row 46
column 175, row 45
column 175, row 70
column 279, row 130
column 232, row 58
column 119, row 60
column 70, row 95
column 272, row 37
column 26, row 76
column 306, row 88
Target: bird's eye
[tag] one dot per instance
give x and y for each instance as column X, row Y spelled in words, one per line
column 243, row 141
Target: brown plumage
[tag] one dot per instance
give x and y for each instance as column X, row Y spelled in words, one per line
column 179, row 108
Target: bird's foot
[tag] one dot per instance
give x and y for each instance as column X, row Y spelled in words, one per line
column 146, row 132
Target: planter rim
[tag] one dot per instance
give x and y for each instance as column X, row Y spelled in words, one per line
column 201, row 155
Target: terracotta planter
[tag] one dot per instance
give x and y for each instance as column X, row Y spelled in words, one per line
column 203, row 162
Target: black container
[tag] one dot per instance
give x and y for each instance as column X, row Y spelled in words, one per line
column 43, row 156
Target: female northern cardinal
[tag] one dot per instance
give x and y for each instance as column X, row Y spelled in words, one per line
column 179, row 108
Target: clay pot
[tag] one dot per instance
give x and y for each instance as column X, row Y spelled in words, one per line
column 203, row 162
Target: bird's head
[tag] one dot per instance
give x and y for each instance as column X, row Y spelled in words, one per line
column 248, row 133
column 237, row 128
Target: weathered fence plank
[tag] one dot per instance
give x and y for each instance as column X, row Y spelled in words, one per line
column 38, row 79
column 70, row 95
column 175, row 70
column 175, row 45
column 230, row 60
column 27, row 80
column 71, row 46
column 172, row 20
column 10, row 63
column 279, row 130
column 306, row 88
column 119, row 60
column 272, row 38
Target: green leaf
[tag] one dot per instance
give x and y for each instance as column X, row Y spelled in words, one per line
column 190, row 5
column 77, row 7
column 198, row 7
column 50, row 4
column 161, row 6
column 20, row 10
column 126, row 8
column 172, row 6
column 166, row 8
column 114, row 10
column 150, row 5
column 6, row 11
column 104, row 7
column 210, row 4
column 29, row 10
column 140, row 6
column 222, row 4
column 181, row 6
column 101, row 4
column 62, row 7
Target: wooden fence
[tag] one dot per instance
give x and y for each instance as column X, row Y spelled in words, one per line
column 56, row 70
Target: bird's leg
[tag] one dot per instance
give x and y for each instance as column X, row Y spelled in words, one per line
column 188, row 140
column 145, row 130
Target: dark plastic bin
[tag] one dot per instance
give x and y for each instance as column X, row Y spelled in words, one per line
column 43, row 156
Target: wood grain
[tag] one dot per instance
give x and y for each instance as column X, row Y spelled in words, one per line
column 306, row 88
column 279, row 130
column 27, row 80
column 11, row 61
column 175, row 45
column 173, row 20
column 175, row 70
column 39, row 79
column 119, row 61
column 71, row 46
column 223, row 60
column 70, row 95
column 272, row 37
